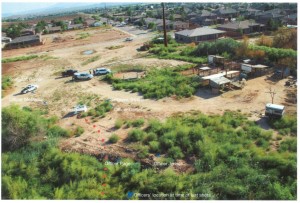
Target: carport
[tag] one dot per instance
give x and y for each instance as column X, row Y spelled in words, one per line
column 204, row 71
column 218, row 84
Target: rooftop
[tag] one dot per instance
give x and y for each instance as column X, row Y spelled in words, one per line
column 200, row 32
column 25, row 39
column 239, row 25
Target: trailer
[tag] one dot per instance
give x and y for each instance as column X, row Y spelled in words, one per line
column 274, row 110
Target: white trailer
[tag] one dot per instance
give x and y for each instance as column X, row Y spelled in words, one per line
column 274, row 110
column 246, row 68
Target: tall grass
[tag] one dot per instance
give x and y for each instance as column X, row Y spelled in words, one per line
column 19, row 58
column 91, row 60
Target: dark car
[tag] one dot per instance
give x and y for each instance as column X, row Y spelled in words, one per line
column 68, row 73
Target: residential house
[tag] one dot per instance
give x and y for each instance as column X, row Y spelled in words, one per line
column 239, row 28
column 6, row 39
column 208, row 22
column 179, row 25
column 192, row 15
column 97, row 24
column 89, row 22
column 177, row 17
column 54, row 29
column 204, row 18
column 27, row 31
column 159, row 23
column 24, row 41
column 198, row 35
column 276, row 15
column 132, row 19
column 75, row 26
column 290, row 19
column 226, row 12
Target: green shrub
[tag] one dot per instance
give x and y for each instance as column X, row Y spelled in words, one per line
column 150, row 137
column 138, row 122
column 220, row 46
column 161, row 83
column 286, row 125
column 142, row 152
column 154, row 126
column 290, row 144
column 175, row 153
column 57, row 131
column 261, row 142
column 135, row 135
column 154, row 146
column 84, row 114
column 7, row 82
column 19, row 58
column 114, row 138
column 119, row 123
column 78, row 131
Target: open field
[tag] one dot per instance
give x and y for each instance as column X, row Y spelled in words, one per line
column 61, row 94
column 58, row 95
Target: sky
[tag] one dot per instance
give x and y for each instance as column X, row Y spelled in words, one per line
column 20, row 7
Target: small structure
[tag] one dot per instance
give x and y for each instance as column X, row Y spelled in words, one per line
column 203, row 70
column 24, row 41
column 54, row 29
column 218, row 60
column 27, row 32
column 75, row 26
column 274, row 110
column 218, row 82
column 249, row 69
column 5, row 39
column 198, row 35
column 97, row 24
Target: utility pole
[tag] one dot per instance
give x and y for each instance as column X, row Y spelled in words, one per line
column 272, row 93
column 164, row 25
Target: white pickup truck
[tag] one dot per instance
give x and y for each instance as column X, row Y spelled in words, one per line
column 79, row 108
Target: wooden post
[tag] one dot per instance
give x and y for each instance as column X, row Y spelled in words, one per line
column 164, row 26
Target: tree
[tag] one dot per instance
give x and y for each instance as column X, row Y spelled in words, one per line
column 149, row 14
column 273, row 25
column 40, row 26
column 285, row 38
column 151, row 25
column 18, row 126
column 78, row 20
column 264, row 41
column 242, row 50
column 14, row 30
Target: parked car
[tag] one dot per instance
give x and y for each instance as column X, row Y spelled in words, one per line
column 82, row 76
column 69, row 72
column 128, row 39
column 102, row 71
column 79, row 108
column 29, row 88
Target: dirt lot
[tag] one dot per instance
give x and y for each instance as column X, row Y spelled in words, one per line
column 59, row 95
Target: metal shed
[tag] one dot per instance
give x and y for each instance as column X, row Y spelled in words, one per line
column 218, row 82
